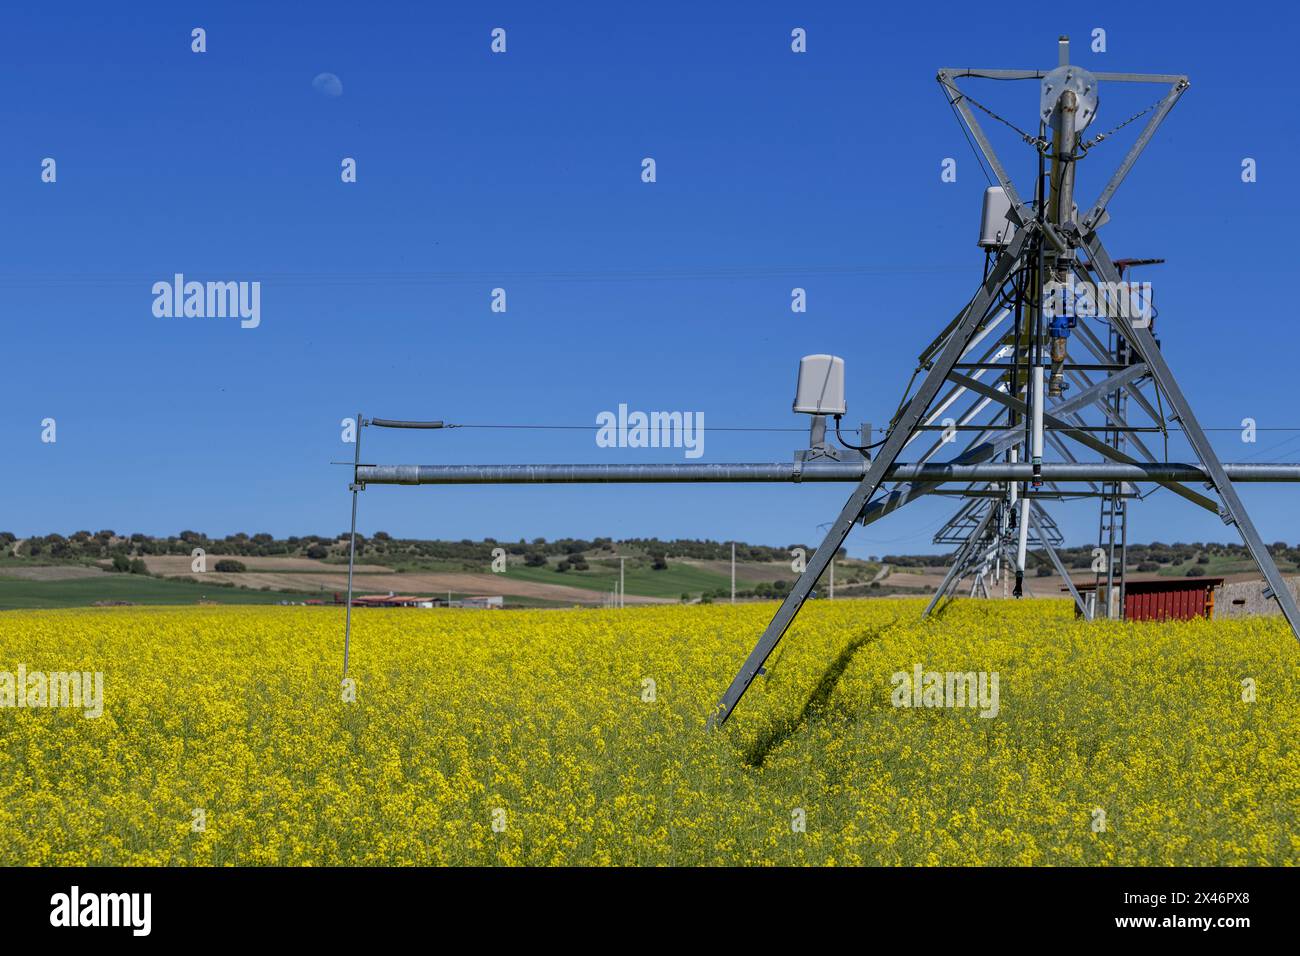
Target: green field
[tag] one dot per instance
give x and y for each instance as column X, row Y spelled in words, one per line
column 135, row 588
column 1218, row 566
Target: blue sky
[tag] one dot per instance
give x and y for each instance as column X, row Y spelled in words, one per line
column 522, row 171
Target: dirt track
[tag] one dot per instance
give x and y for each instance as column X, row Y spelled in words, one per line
column 414, row 583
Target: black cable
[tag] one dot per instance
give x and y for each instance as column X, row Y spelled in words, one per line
column 961, row 123
column 840, row 439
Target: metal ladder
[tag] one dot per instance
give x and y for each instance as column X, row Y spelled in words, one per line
column 1112, row 532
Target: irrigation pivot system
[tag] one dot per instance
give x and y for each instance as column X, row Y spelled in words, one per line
column 1051, row 374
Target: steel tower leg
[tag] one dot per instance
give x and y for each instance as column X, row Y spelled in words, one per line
column 960, row 562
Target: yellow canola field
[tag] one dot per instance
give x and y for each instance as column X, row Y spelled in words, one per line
column 576, row 737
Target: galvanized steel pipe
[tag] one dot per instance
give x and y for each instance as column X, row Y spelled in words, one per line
column 660, row 473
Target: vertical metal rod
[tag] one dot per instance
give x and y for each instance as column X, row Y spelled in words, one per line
column 1123, row 557
column 1036, row 443
column 352, row 542
column 733, row 572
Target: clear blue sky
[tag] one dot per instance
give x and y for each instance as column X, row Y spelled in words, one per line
column 523, row 171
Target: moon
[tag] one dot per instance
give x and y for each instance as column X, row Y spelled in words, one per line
column 327, row 84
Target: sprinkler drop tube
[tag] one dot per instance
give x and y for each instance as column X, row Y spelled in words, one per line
column 1036, row 436
column 1023, row 543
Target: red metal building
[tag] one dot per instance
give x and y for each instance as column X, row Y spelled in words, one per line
column 1164, row 599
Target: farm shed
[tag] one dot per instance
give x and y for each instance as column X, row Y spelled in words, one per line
column 485, row 602
column 1164, row 599
column 393, row 600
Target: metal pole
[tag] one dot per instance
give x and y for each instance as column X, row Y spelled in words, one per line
column 798, row 472
column 352, row 541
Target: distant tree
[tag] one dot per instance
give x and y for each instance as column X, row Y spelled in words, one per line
column 1194, row 572
column 230, row 566
column 1148, row 566
column 533, row 559
column 121, row 563
column 318, row 551
column 138, row 566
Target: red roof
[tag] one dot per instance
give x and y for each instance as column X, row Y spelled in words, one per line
column 1151, row 585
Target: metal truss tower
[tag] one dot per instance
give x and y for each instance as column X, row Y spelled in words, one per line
column 1022, row 341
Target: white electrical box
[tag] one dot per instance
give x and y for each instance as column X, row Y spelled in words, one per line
column 821, row 385
column 996, row 229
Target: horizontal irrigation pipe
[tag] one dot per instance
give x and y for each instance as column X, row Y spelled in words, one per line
column 799, row 471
